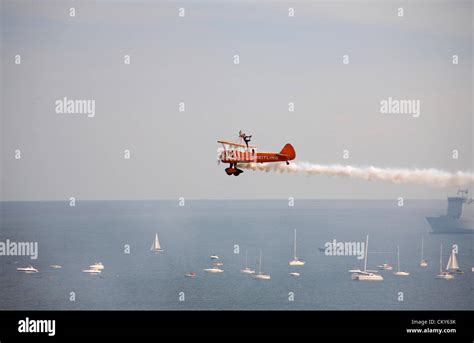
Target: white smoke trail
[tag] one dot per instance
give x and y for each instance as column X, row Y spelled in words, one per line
column 432, row 177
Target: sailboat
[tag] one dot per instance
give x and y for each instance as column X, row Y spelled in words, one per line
column 398, row 272
column 156, row 245
column 28, row 270
column 453, row 266
column 295, row 261
column 260, row 275
column 97, row 265
column 214, row 269
column 247, row 270
column 443, row 275
column 423, row 262
column 365, row 275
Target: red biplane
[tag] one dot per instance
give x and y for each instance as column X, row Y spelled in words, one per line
column 241, row 152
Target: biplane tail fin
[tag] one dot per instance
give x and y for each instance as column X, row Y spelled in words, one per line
column 288, row 151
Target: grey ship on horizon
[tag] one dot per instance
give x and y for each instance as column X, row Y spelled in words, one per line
column 452, row 221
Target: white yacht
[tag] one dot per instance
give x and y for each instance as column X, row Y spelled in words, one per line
column 295, row 261
column 366, row 275
column 399, row 272
column 214, row 270
column 92, row 271
column 260, row 275
column 295, row 274
column 156, row 245
column 214, row 257
column 97, row 266
column 423, row 262
column 247, row 270
column 443, row 275
column 55, row 266
column 453, row 266
column 29, row 269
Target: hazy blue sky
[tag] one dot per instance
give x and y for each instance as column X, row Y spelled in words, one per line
column 190, row 59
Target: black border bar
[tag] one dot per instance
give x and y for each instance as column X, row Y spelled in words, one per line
column 94, row 324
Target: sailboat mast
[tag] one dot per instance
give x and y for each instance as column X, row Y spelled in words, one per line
column 246, row 255
column 294, row 247
column 421, row 248
column 366, row 251
column 260, row 263
column 441, row 259
column 398, row 257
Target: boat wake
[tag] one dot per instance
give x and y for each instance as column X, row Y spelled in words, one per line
column 431, row 177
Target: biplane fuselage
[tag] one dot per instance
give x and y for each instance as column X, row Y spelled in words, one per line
column 257, row 157
column 240, row 153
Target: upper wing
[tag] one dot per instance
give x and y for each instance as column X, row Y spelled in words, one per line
column 236, row 144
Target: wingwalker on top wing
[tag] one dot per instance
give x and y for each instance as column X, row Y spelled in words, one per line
column 241, row 152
